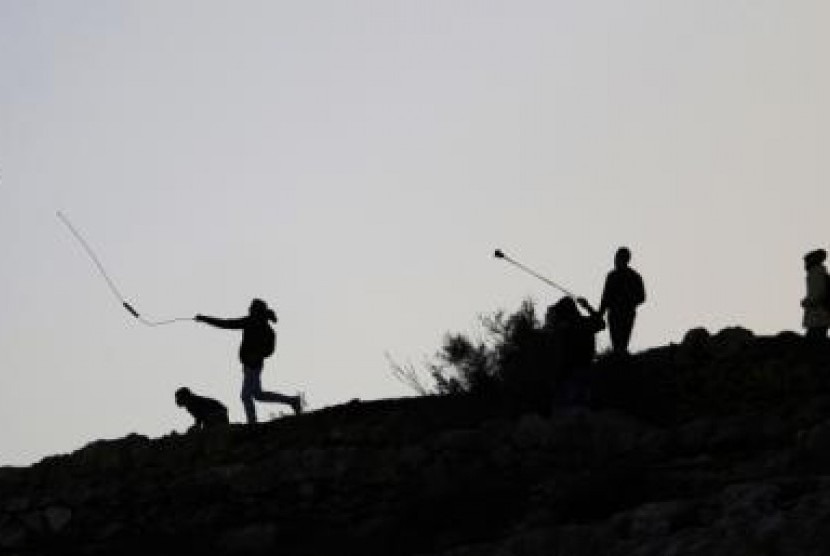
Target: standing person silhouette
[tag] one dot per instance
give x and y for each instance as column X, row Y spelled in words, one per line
column 623, row 292
column 258, row 342
column 816, row 309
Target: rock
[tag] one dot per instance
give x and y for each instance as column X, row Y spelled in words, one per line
column 17, row 504
column 730, row 341
column 413, row 457
column 693, row 345
column 33, row 522
column 532, row 432
column 814, row 444
column 57, row 518
column 656, row 519
column 693, row 437
column 12, row 533
column 250, row 539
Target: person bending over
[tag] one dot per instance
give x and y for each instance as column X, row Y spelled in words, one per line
column 207, row 412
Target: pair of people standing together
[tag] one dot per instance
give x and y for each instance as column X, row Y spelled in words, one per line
column 622, row 293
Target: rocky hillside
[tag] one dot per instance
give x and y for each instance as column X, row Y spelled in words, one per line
column 718, row 445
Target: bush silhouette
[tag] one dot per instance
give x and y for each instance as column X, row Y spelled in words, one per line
column 512, row 360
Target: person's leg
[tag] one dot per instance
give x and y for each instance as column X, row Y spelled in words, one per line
column 627, row 328
column 620, row 325
column 260, row 395
column 250, row 388
column 274, row 397
column 295, row 402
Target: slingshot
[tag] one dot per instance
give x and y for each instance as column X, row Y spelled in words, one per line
column 109, row 281
column 499, row 254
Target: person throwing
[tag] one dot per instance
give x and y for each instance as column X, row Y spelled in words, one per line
column 623, row 293
column 258, row 342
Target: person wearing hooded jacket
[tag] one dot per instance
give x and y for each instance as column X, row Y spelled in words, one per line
column 258, row 340
column 816, row 314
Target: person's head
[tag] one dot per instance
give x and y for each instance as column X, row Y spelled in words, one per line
column 814, row 258
column 259, row 309
column 562, row 312
column 183, row 395
column 622, row 258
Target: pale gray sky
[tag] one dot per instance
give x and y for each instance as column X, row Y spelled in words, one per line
column 356, row 163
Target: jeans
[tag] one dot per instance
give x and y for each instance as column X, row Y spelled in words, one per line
column 620, row 325
column 252, row 390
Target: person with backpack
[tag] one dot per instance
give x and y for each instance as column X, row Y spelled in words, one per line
column 258, row 342
column 817, row 302
column 622, row 294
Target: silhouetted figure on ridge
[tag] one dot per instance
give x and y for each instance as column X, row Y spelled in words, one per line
column 622, row 294
column 573, row 344
column 816, row 304
column 258, row 342
column 207, row 412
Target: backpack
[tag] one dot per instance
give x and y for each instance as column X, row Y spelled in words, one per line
column 269, row 343
column 257, row 344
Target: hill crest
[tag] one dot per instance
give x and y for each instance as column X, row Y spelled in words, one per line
column 714, row 445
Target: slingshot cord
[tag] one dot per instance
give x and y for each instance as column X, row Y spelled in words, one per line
column 109, row 281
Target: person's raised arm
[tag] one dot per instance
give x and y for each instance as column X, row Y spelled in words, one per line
column 587, row 306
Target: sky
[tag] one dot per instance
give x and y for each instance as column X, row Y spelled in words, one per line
column 355, row 164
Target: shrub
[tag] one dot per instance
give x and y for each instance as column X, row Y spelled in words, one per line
column 504, row 358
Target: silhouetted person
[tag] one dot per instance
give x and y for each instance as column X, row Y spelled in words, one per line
column 573, row 341
column 206, row 411
column 258, row 342
column 623, row 292
column 815, row 304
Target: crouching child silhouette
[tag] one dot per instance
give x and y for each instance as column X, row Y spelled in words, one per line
column 258, row 342
column 207, row 412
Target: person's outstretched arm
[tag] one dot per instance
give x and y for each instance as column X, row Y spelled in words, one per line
column 595, row 316
column 582, row 302
column 228, row 324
